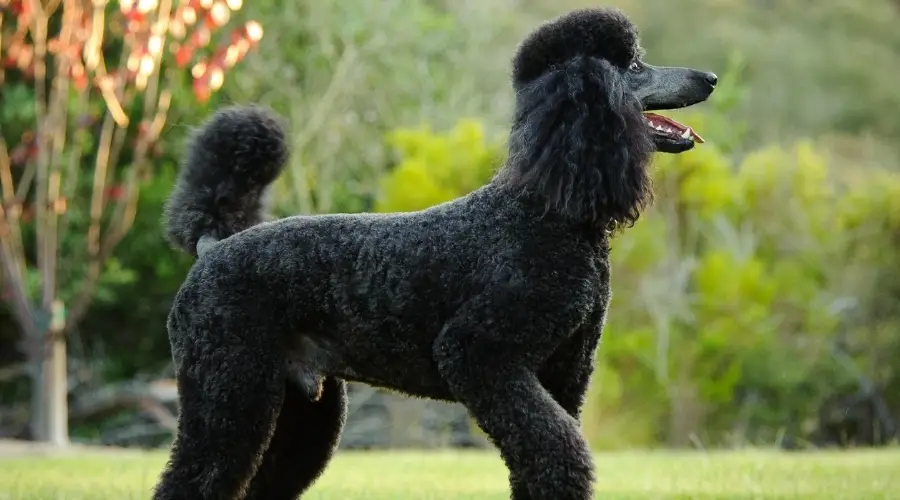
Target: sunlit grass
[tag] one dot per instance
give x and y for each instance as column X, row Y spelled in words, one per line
column 474, row 475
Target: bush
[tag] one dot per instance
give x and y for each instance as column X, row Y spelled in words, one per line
column 720, row 300
column 435, row 168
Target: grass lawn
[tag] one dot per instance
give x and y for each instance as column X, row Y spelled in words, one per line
column 478, row 475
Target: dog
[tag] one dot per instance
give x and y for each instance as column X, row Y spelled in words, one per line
column 495, row 300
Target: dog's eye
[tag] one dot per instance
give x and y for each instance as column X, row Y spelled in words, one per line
column 635, row 66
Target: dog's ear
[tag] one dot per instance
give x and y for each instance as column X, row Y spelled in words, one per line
column 579, row 140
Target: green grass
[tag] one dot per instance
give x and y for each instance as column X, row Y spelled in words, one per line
column 473, row 475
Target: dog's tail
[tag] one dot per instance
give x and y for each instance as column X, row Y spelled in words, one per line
column 230, row 162
column 578, row 137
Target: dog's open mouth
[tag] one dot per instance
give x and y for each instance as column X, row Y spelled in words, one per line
column 672, row 128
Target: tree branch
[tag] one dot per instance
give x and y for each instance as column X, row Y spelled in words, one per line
column 11, row 206
column 57, row 119
column 12, row 256
column 2, row 68
column 15, row 371
column 124, row 217
column 12, row 277
column 76, row 155
column 156, row 105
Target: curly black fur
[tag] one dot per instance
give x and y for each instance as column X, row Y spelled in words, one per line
column 579, row 140
column 221, row 189
column 496, row 299
column 599, row 33
column 578, row 136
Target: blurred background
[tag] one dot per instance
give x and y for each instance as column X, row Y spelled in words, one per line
column 757, row 303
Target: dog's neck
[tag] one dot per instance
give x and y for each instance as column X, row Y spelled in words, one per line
column 532, row 205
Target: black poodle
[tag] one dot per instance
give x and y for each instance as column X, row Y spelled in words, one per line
column 496, row 299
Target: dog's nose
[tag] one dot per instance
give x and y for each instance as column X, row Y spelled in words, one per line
column 711, row 79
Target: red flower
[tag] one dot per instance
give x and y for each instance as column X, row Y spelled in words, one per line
column 115, row 192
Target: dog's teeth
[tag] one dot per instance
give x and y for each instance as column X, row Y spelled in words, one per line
column 686, row 134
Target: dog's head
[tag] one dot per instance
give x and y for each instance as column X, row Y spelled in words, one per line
column 581, row 136
column 607, row 35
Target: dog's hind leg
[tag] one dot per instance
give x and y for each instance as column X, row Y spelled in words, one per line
column 230, row 376
column 305, row 439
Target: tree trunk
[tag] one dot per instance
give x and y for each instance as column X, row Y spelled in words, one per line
column 50, row 386
column 50, row 406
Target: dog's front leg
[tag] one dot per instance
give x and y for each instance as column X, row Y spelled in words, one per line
column 490, row 370
column 567, row 373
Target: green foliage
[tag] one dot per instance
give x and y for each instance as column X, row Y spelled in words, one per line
column 726, row 291
column 346, row 73
column 435, row 168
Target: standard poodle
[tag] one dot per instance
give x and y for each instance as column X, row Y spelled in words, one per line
column 495, row 300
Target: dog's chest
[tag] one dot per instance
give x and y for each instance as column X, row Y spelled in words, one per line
column 602, row 282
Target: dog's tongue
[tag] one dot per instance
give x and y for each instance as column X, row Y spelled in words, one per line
column 668, row 125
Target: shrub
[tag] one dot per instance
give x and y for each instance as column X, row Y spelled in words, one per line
column 435, row 168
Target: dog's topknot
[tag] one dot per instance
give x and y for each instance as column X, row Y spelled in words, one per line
column 598, row 32
column 230, row 162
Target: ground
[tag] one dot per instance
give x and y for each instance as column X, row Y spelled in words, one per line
column 83, row 474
